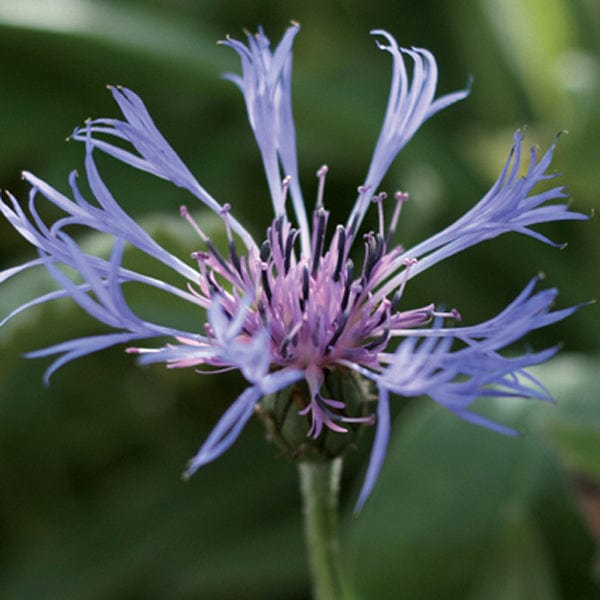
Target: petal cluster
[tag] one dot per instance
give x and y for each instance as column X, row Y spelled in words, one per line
column 310, row 297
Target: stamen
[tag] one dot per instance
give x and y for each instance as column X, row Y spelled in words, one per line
column 408, row 263
column 396, row 300
column 262, row 312
column 385, row 312
column 378, row 199
column 285, row 184
column 315, row 332
column 213, row 250
column 401, row 198
column 368, row 420
column 319, row 224
column 305, row 288
column 214, row 287
column 183, row 211
column 338, row 332
column 341, row 249
column 453, row 314
column 200, row 258
column 264, row 277
column 321, row 174
column 289, row 245
column 354, row 218
column 374, row 248
column 347, row 283
column 235, row 259
column 290, row 338
column 379, row 340
column 224, row 212
column 265, row 251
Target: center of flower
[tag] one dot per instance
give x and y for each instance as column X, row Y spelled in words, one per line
column 318, row 309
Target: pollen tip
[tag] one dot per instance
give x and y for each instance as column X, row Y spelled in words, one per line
column 183, row 210
column 377, row 198
column 132, row 350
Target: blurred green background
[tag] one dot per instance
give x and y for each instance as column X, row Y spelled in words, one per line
column 92, row 504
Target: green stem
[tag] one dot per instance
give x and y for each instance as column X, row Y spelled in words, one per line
column 320, row 484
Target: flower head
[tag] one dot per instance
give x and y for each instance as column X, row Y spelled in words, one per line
column 295, row 307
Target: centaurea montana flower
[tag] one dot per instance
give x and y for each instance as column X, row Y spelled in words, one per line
column 294, row 307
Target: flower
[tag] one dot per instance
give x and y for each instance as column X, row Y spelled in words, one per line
column 294, row 307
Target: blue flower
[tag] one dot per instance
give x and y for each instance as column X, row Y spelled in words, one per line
column 294, row 307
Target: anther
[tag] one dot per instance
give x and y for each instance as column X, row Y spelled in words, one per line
column 235, row 259
column 214, row 287
column 338, row 332
column 341, row 248
column 265, row 250
column 262, row 312
column 347, row 283
column 378, row 341
column 321, row 174
column 396, row 300
column 214, row 252
column 320, row 223
column 289, row 245
column 305, row 288
column 373, row 253
column 290, row 338
column 285, row 185
column 264, row 277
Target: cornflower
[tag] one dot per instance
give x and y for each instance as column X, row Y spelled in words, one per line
column 295, row 309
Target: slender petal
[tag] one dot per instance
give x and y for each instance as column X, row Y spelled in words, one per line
column 266, row 86
column 508, row 206
column 410, row 104
column 380, row 443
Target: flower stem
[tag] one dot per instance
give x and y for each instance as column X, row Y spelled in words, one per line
column 320, row 484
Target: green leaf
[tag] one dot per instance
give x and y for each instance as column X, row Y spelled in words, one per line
column 579, row 446
column 516, row 565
